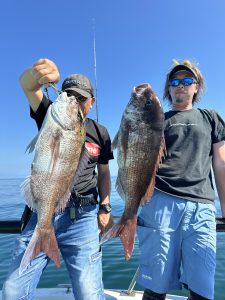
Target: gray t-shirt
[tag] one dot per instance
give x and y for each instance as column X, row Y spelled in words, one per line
column 186, row 170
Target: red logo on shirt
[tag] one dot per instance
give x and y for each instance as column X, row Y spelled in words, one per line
column 93, row 149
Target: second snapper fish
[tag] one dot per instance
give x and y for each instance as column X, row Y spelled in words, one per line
column 140, row 147
column 47, row 190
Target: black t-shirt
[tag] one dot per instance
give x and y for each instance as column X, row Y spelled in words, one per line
column 97, row 143
column 186, row 170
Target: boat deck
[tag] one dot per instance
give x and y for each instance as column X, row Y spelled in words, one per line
column 66, row 294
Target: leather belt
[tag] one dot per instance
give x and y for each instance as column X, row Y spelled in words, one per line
column 81, row 200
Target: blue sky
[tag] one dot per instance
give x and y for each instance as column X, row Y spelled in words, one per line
column 135, row 42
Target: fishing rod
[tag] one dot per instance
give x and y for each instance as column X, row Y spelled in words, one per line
column 95, row 69
column 16, row 226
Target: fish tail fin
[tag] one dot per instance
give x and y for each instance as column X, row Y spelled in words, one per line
column 126, row 230
column 127, row 236
column 43, row 240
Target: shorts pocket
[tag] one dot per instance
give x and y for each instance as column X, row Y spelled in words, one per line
column 149, row 244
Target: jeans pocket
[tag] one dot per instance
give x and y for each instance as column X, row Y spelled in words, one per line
column 96, row 256
column 88, row 210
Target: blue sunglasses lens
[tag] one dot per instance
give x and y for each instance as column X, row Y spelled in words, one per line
column 185, row 81
column 174, row 82
column 188, row 81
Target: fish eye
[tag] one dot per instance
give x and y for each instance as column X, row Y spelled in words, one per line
column 148, row 102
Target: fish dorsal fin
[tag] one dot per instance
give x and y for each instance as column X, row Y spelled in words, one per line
column 127, row 138
column 115, row 141
column 149, row 192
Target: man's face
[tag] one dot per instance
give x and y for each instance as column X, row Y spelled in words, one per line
column 183, row 94
column 86, row 105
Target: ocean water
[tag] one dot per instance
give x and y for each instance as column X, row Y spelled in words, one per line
column 117, row 273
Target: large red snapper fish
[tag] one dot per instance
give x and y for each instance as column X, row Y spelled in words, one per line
column 140, row 147
column 58, row 149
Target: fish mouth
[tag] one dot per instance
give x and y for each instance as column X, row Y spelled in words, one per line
column 141, row 87
column 146, row 90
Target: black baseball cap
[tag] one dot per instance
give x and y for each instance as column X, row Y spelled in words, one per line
column 180, row 68
column 78, row 83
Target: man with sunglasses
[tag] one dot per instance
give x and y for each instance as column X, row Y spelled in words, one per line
column 176, row 228
column 77, row 227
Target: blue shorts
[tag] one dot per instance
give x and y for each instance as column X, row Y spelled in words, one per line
column 177, row 239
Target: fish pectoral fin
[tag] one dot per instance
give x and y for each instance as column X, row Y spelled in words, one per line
column 32, row 144
column 43, row 240
column 63, row 201
column 27, row 193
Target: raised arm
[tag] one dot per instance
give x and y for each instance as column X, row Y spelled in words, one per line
column 219, row 172
column 41, row 73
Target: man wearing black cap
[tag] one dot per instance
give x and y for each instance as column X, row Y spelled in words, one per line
column 176, row 229
column 77, row 228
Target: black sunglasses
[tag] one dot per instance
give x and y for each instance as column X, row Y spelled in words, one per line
column 185, row 81
column 78, row 97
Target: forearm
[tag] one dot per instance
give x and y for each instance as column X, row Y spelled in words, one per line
column 32, row 89
column 104, row 186
column 220, row 185
column 219, row 172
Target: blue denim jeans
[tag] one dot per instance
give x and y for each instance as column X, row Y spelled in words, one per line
column 79, row 246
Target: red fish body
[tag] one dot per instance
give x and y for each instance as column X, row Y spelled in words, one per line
column 47, row 190
column 140, row 146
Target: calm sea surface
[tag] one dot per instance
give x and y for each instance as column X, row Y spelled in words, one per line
column 116, row 272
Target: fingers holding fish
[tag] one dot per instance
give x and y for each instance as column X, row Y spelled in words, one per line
column 45, row 71
column 105, row 222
